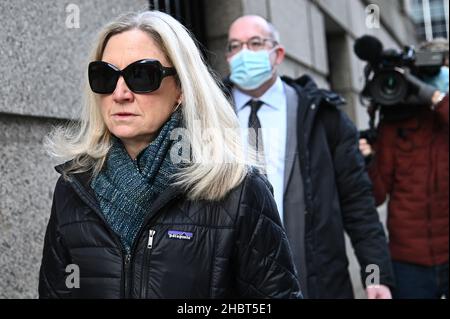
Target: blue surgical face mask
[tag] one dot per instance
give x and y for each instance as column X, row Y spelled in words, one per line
column 251, row 69
column 440, row 81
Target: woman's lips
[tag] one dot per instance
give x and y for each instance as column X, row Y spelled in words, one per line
column 124, row 115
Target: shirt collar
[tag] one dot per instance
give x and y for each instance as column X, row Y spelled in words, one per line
column 271, row 97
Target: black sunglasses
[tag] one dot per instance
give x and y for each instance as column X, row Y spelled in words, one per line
column 143, row 76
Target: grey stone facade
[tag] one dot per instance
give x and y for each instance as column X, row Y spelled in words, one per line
column 42, row 64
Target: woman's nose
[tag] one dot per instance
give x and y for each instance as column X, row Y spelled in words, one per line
column 122, row 93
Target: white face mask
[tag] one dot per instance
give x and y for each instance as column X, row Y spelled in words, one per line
column 251, row 69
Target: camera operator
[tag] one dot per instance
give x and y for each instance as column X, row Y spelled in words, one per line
column 409, row 163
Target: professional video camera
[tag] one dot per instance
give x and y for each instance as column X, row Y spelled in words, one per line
column 388, row 72
column 394, row 80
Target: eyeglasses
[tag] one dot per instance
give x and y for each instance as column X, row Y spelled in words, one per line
column 253, row 44
column 143, row 76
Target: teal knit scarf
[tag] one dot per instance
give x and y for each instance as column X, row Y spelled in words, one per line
column 126, row 189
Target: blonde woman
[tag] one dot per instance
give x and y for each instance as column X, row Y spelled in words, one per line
column 133, row 222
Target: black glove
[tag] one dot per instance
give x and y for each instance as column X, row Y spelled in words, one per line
column 422, row 93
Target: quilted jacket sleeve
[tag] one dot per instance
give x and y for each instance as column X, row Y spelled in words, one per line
column 263, row 261
column 359, row 214
column 52, row 276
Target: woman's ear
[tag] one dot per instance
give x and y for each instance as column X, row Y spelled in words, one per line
column 179, row 101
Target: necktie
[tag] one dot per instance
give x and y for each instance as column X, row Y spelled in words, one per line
column 255, row 134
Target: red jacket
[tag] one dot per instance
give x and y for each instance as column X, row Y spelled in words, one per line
column 411, row 167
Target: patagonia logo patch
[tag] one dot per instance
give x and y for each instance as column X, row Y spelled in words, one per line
column 176, row 234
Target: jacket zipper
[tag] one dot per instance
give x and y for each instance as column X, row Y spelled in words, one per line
column 127, row 275
column 151, row 234
column 145, row 263
column 147, row 222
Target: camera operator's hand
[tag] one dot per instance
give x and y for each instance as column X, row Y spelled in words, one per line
column 422, row 93
column 365, row 148
column 378, row 292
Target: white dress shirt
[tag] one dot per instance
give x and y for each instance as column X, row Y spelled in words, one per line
column 272, row 116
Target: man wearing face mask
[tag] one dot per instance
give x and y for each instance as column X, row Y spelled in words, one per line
column 308, row 150
column 410, row 165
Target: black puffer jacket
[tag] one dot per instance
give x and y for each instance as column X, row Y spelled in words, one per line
column 232, row 248
column 338, row 197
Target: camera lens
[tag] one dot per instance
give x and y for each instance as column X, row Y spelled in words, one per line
column 389, row 87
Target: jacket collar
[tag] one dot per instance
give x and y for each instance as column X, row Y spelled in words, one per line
column 312, row 91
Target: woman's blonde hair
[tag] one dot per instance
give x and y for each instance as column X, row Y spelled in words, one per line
column 218, row 161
